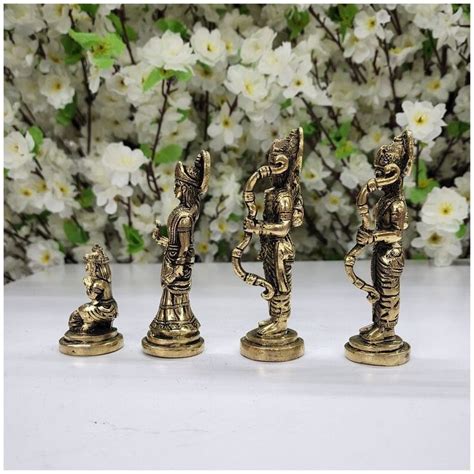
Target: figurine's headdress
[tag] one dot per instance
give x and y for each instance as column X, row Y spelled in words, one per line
column 400, row 152
column 292, row 147
column 196, row 175
column 100, row 262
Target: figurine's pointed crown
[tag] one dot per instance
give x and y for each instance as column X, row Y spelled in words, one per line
column 292, row 147
column 196, row 175
column 96, row 255
column 400, row 152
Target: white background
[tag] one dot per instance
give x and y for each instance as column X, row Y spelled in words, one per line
column 219, row 410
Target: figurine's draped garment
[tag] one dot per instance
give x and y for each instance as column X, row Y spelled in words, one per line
column 175, row 310
column 278, row 253
column 388, row 260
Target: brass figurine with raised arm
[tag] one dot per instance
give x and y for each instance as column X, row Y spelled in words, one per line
column 283, row 210
column 90, row 326
column 377, row 344
column 174, row 332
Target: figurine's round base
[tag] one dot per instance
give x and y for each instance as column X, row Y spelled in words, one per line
column 280, row 348
column 391, row 353
column 90, row 345
column 170, row 349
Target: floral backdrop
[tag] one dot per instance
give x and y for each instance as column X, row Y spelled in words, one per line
column 102, row 100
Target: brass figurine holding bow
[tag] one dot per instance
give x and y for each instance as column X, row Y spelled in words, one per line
column 90, row 325
column 283, row 210
column 174, row 332
column 377, row 344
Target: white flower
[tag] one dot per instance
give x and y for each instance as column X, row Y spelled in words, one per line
column 18, row 154
column 222, row 228
column 462, row 107
column 357, row 171
column 447, row 29
column 374, row 138
column 59, row 198
column 277, row 64
column 256, row 45
column 57, row 16
column 335, row 201
column 366, row 24
column 57, row 89
column 203, row 247
column 445, row 209
column 438, row 87
column 359, row 50
column 463, row 185
column 23, row 18
column 246, row 81
column 424, row 120
column 225, row 129
column 123, row 162
column 313, row 173
column 44, row 254
column 169, row 52
column 442, row 246
column 208, row 46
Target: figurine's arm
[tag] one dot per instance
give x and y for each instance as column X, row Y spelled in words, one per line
column 159, row 239
column 279, row 229
column 179, row 254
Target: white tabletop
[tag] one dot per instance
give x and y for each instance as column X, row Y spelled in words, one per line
column 127, row 410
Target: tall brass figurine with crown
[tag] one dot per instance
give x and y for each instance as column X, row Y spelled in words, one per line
column 283, row 210
column 90, row 326
column 377, row 344
column 175, row 330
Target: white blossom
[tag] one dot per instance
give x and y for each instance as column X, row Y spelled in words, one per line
column 423, row 119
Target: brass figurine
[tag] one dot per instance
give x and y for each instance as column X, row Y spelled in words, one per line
column 377, row 344
column 283, row 210
column 90, row 326
column 175, row 330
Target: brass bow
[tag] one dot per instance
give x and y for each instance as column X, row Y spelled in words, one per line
column 280, row 166
column 372, row 185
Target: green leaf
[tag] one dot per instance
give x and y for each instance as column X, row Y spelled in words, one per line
column 131, row 33
column 86, row 40
column 172, row 25
column 182, row 76
column 168, row 154
column 461, row 231
column 134, row 239
column 418, row 195
column 86, row 198
column 234, row 218
column 344, row 149
column 65, row 115
column 346, row 15
column 285, row 104
column 309, row 129
column 146, row 149
column 72, row 49
column 74, row 232
column 457, row 128
column 153, row 78
column 89, row 8
column 103, row 62
column 344, row 130
column 37, row 136
column 184, row 115
column 296, row 22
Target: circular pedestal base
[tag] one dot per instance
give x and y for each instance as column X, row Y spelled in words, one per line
column 88, row 345
column 395, row 352
column 172, row 350
column 280, row 348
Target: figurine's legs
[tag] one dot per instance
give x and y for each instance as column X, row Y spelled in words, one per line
column 386, row 272
column 280, row 312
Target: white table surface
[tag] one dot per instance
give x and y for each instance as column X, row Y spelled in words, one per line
column 127, row 410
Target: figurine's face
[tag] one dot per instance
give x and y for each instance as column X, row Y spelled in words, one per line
column 178, row 189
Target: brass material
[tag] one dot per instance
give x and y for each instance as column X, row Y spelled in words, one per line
column 90, row 326
column 174, row 332
column 283, row 210
column 377, row 344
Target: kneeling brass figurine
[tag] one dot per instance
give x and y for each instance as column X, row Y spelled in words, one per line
column 377, row 344
column 90, row 326
column 283, row 210
column 175, row 330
